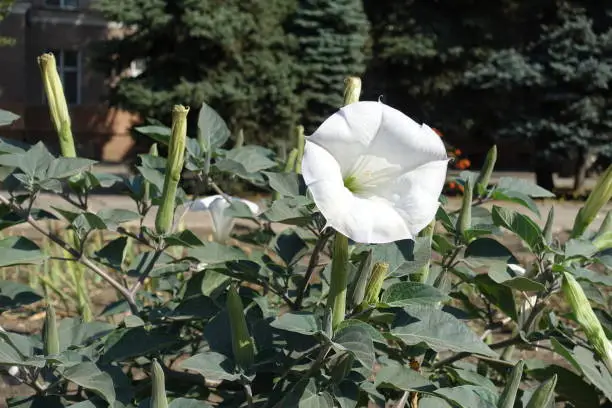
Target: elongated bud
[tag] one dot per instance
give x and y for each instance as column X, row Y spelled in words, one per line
column 342, row 366
column 379, row 273
column 58, row 108
column 464, row 221
column 359, row 287
column 423, row 272
column 600, row 196
column 51, row 344
column 336, row 300
column 291, row 160
column 301, row 140
column 603, row 238
column 487, row 169
column 239, row 139
column 587, row 319
column 242, row 343
column 352, row 90
column 544, row 394
column 506, row 400
column 548, row 228
column 158, row 392
column 174, row 166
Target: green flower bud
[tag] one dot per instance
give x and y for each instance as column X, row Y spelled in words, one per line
column 587, row 319
column 352, row 90
column 600, row 196
column 291, row 160
column 51, row 344
column 359, row 287
column 464, row 221
column 239, row 139
column 301, row 140
column 506, row 400
column 242, row 343
column 423, row 272
column 603, row 238
column 487, row 169
column 544, row 394
column 158, row 392
column 548, row 228
column 174, row 166
column 336, row 300
column 379, row 273
column 58, row 108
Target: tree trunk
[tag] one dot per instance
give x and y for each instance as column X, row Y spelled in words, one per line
column 544, row 176
column 583, row 162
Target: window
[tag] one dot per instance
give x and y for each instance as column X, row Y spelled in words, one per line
column 63, row 3
column 69, row 68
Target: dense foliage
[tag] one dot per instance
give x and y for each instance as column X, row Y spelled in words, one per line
column 446, row 319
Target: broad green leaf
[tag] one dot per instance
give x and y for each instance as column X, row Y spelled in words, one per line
column 298, row 322
column 160, row 134
column 580, row 248
column 13, row 252
column 287, row 184
column 289, row 210
column 64, row 167
column 594, row 370
column 113, row 253
column 469, row 396
column 375, row 334
column 184, row 238
column 591, row 276
column 523, row 186
column 290, row 247
column 468, row 377
column 251, row 158
column 212, row 128
column 211, row 365
column 412, row 293
column 499, row 295
column 358, row 341
column 434, row 402
column 8, row 218
column 125, row 344
column 521, row 225
column 112, row 217
column 515, row 197
column 87, row 221
column 153, row 176
column 305, row 394
column 346, row 394
column 6, row 117
column 14, row 295
column 188, row 403
column 439, row 330
column 395, row 375
column 75, row 332
column 214, row 253
column 90, row 377
column 570, row 386
column 142, row 262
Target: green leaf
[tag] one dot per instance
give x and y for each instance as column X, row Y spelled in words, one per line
column 14, row 295
column 214, row 253
column 86, row 221
column 153, row 176
column 375, row 335
column 112, row 217
column 212, row 128
column 305, row 394
column 251, row 158
column 13, row 252
column 523, row 186
column 64, row 167
column 289, row 210
column 501, row 296
column 469, row 396
column 346, row 394
column 6, row 117
column 75, row 332
column 160, row 134
column 184, row 238
column 358, row 341
column 580, row 248
column 521, row 225
column 290, row 247
column 90, row 377
column 439, row 330
column 515, row 197
column 212, row 366
column 401, row 377
column 188, row 403
column 298, row 322
column 412, row 293
column 468, row 377
column 287, row 184
column 125, row 344
column 113, row 253
column 594, row 370
column 591, row 276
column 570, row 386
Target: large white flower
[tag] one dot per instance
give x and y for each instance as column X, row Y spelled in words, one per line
column 221, row 222
column 374, row 173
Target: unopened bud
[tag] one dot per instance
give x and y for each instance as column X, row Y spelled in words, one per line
column 375, row 284
column 423, row 272
column 158, row 391
column 336, row 299
column 352, row 90
column 600, row 196
column 301, row 140
column 464, row 221
column 586, row 318
column 487, row 169
column 51, row 344
column 548, row 228
column 544, row 394
column 242, row 343
column 58, row 107
column 174, row 166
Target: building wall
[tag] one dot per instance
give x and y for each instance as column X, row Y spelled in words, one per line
column 33, row 28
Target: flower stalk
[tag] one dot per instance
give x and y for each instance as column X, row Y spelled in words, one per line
column 58, row 107
column 174, row 166
column 600, row 196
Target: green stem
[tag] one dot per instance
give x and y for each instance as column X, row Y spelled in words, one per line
column 339, row 276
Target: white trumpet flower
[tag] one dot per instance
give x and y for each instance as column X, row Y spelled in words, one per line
column 222, row 223
column 374, row 173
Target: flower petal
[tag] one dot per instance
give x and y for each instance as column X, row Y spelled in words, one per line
column 202, row 204
column 222, row 224
column 414, row 195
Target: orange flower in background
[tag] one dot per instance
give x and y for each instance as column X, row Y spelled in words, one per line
column 452, row 185
column 463, row 164
column 457, row 152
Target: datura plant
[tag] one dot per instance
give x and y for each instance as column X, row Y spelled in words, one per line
column 353, row 283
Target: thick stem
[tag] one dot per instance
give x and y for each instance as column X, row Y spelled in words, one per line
column 336, row 299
